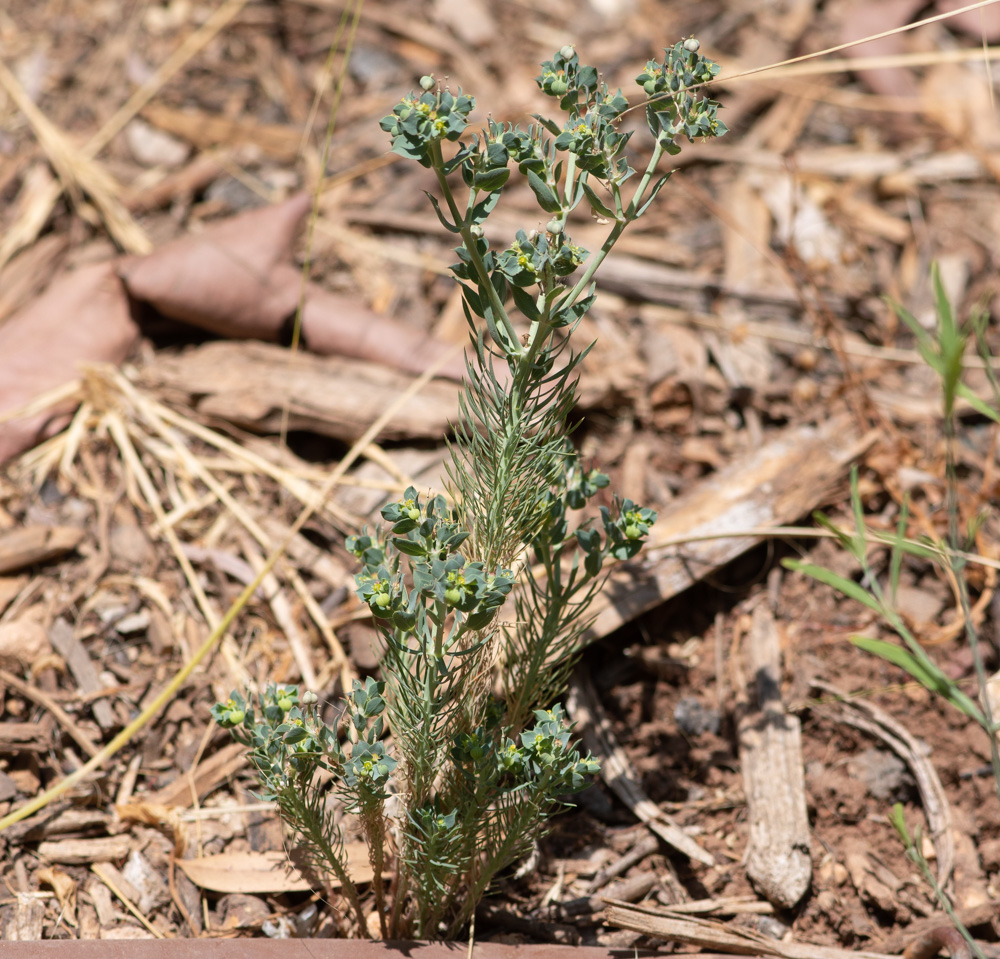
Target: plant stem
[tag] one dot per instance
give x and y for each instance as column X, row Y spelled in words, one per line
column 464, row 228
column 594, row 262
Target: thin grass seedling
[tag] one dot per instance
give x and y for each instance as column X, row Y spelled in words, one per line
column 945, row 353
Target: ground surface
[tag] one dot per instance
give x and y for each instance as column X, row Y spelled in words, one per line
column 746, row 304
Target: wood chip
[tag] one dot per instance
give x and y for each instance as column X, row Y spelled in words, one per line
column 64, row 641
column 778, row 483
column 29, row 545
column 199, row 783
column 770, row 743
column 83, row 852
column 250, row 383
column 716, row 936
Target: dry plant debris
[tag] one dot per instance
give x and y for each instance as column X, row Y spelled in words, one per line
column 744, row 360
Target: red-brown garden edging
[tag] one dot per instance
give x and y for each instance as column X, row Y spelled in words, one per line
column 296, row 949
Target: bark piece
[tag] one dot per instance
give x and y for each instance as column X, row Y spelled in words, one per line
column 57, row 822
column 718, row 937
column 25, row 737
column 24, row 640
column 65, row 643
column 206, row 130
column 210, row 774
column 28, row 545
column 26, row 924
column 249, row 383
column 778, row 483
column 83, row 852
column 770, row 743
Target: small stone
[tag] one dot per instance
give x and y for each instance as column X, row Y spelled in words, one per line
column 152, row 147
column 694, row 719
column 884, row 774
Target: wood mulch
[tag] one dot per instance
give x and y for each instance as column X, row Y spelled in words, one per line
column 745, row 361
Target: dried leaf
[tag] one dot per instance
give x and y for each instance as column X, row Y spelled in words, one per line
column 224, row 279
column 83, row 317
column 64, row 886
column 265, row 872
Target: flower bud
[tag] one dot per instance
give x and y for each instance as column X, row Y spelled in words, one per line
column 427, row 82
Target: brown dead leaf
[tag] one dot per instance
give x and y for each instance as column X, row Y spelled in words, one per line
column 64, row 886
column 83, row 317
column 862, row 19
column 266, row 872
column 333, row 324
column 224, row 279
column 983, row 23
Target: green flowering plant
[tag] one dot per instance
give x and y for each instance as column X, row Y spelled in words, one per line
column 486, row 591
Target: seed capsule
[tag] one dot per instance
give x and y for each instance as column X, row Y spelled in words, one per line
column 691, row 45
column 427, row 82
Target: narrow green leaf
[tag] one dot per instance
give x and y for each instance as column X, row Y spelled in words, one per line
column 844, row 538
column 547, row 200
column 446, row 223
column 924, row 671
column 896, row 554
column 596, row 204
column 829, row 578
column 980, row 406
column 652, row 194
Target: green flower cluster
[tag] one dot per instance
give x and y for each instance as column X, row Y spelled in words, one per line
column 419, row 121
column 673, row 108
column 543, row 756
column 290, row 741
column 564, row 162
column 443, row 581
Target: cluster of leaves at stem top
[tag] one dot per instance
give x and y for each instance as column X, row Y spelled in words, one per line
column 471, row 777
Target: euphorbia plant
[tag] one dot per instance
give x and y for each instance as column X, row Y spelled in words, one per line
column 497, row 579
